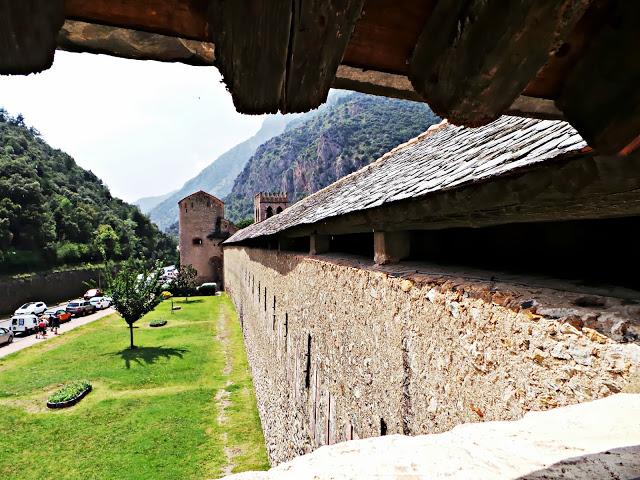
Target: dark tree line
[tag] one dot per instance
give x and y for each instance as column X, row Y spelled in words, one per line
column 53, row 212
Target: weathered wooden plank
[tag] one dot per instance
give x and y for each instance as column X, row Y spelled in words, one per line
column 252, row 42
column 601, row 97
column 320, row 32
column 28, row 33
column 178, row 18
column 78, row 36
column 474, row 57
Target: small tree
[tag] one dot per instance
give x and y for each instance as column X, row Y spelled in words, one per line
column 135, row 291
column 185, row 282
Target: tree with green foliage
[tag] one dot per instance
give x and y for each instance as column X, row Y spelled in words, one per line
column 244, row 223
column 185, row 282
column 135, row 291
column 52, row 212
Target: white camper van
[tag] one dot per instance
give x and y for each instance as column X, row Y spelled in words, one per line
column 24, row 324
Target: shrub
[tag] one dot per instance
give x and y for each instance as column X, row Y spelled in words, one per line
column 69, row 391
column 166, row 294
column 157, row 323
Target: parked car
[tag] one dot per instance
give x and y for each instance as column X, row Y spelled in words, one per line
column 93, row 292
column 61, row 313
column 80, row 308
column 24, row 324
column 31, row 308
column 208, row 288
column 6, row 335
column 100, row 303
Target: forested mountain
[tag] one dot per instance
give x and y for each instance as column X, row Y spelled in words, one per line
column 352, row 132
column 218, row 177
column 53, row 212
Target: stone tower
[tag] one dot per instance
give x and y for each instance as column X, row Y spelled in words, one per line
column 202, row 229
column 266, row 204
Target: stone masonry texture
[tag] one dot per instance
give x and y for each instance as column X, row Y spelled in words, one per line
column 341, row 349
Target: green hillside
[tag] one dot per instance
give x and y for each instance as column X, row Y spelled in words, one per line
column 321, row 148
column 53, row 212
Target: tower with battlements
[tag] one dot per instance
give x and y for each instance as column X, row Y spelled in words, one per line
column 268, row 204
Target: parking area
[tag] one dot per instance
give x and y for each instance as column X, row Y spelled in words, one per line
column 21, row 341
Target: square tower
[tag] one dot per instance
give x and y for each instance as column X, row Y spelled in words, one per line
column 268, row 204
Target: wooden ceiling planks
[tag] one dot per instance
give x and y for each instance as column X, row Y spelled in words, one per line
column 474, row 58
column 385, row 34
column 601, row 95
column 179, row 18
column 28, row 35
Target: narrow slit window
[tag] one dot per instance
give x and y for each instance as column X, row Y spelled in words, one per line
column 307, row 375
column 383, row 427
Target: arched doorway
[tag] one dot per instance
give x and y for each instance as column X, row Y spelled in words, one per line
column 269, row 212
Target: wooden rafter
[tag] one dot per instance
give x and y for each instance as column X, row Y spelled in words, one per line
column 601, row 97
column 475, row 57
column 28, row 34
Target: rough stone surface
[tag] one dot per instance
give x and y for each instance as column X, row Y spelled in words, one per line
column 594, row 440
column 343, row 349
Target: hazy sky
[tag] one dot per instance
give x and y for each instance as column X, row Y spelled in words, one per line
column 142, row 127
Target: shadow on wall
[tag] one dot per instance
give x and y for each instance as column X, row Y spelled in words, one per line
column 145, row 356
column 618, row 464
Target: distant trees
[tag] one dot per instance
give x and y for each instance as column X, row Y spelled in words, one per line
column 244, row 223
column 135, row 291
column 54, row 212
column 185, row 282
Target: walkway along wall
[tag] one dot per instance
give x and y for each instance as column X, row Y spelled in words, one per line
column 341, row 349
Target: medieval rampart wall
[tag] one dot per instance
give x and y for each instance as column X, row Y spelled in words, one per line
column 341, row 349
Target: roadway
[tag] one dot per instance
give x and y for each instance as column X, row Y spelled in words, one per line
column 21, row 341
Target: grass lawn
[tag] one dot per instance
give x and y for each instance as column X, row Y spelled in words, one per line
column 179, row 406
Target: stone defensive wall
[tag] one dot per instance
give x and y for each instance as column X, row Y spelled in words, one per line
column 49, row 287
column 341, row 348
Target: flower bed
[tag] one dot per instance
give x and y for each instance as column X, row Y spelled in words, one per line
column 157, row 323
column 69, row 394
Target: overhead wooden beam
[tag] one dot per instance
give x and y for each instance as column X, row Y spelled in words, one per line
column 475, row 57
column 252, row 43
column 320, row 31
column 280, row 55
column 184, row 18
column 28, row 34
column 601, row 95
column 78, row 36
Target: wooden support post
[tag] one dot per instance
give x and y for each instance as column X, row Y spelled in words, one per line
column 391, row 247
column 319, row 244
column 601, row 98
column 28, row 35
column 475, row 57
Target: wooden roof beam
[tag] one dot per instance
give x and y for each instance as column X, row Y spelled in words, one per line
column 28, row 34
column 183, row 19
column 474, row 58
column 280, row 55
column 601, row 97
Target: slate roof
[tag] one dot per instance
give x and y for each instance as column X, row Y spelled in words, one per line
column 442, row 158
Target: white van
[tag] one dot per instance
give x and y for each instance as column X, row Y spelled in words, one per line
column 24, row 324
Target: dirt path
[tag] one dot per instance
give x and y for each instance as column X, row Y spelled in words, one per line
column 222, row 397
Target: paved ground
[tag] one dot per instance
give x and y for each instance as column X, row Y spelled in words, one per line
column 21, row 342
